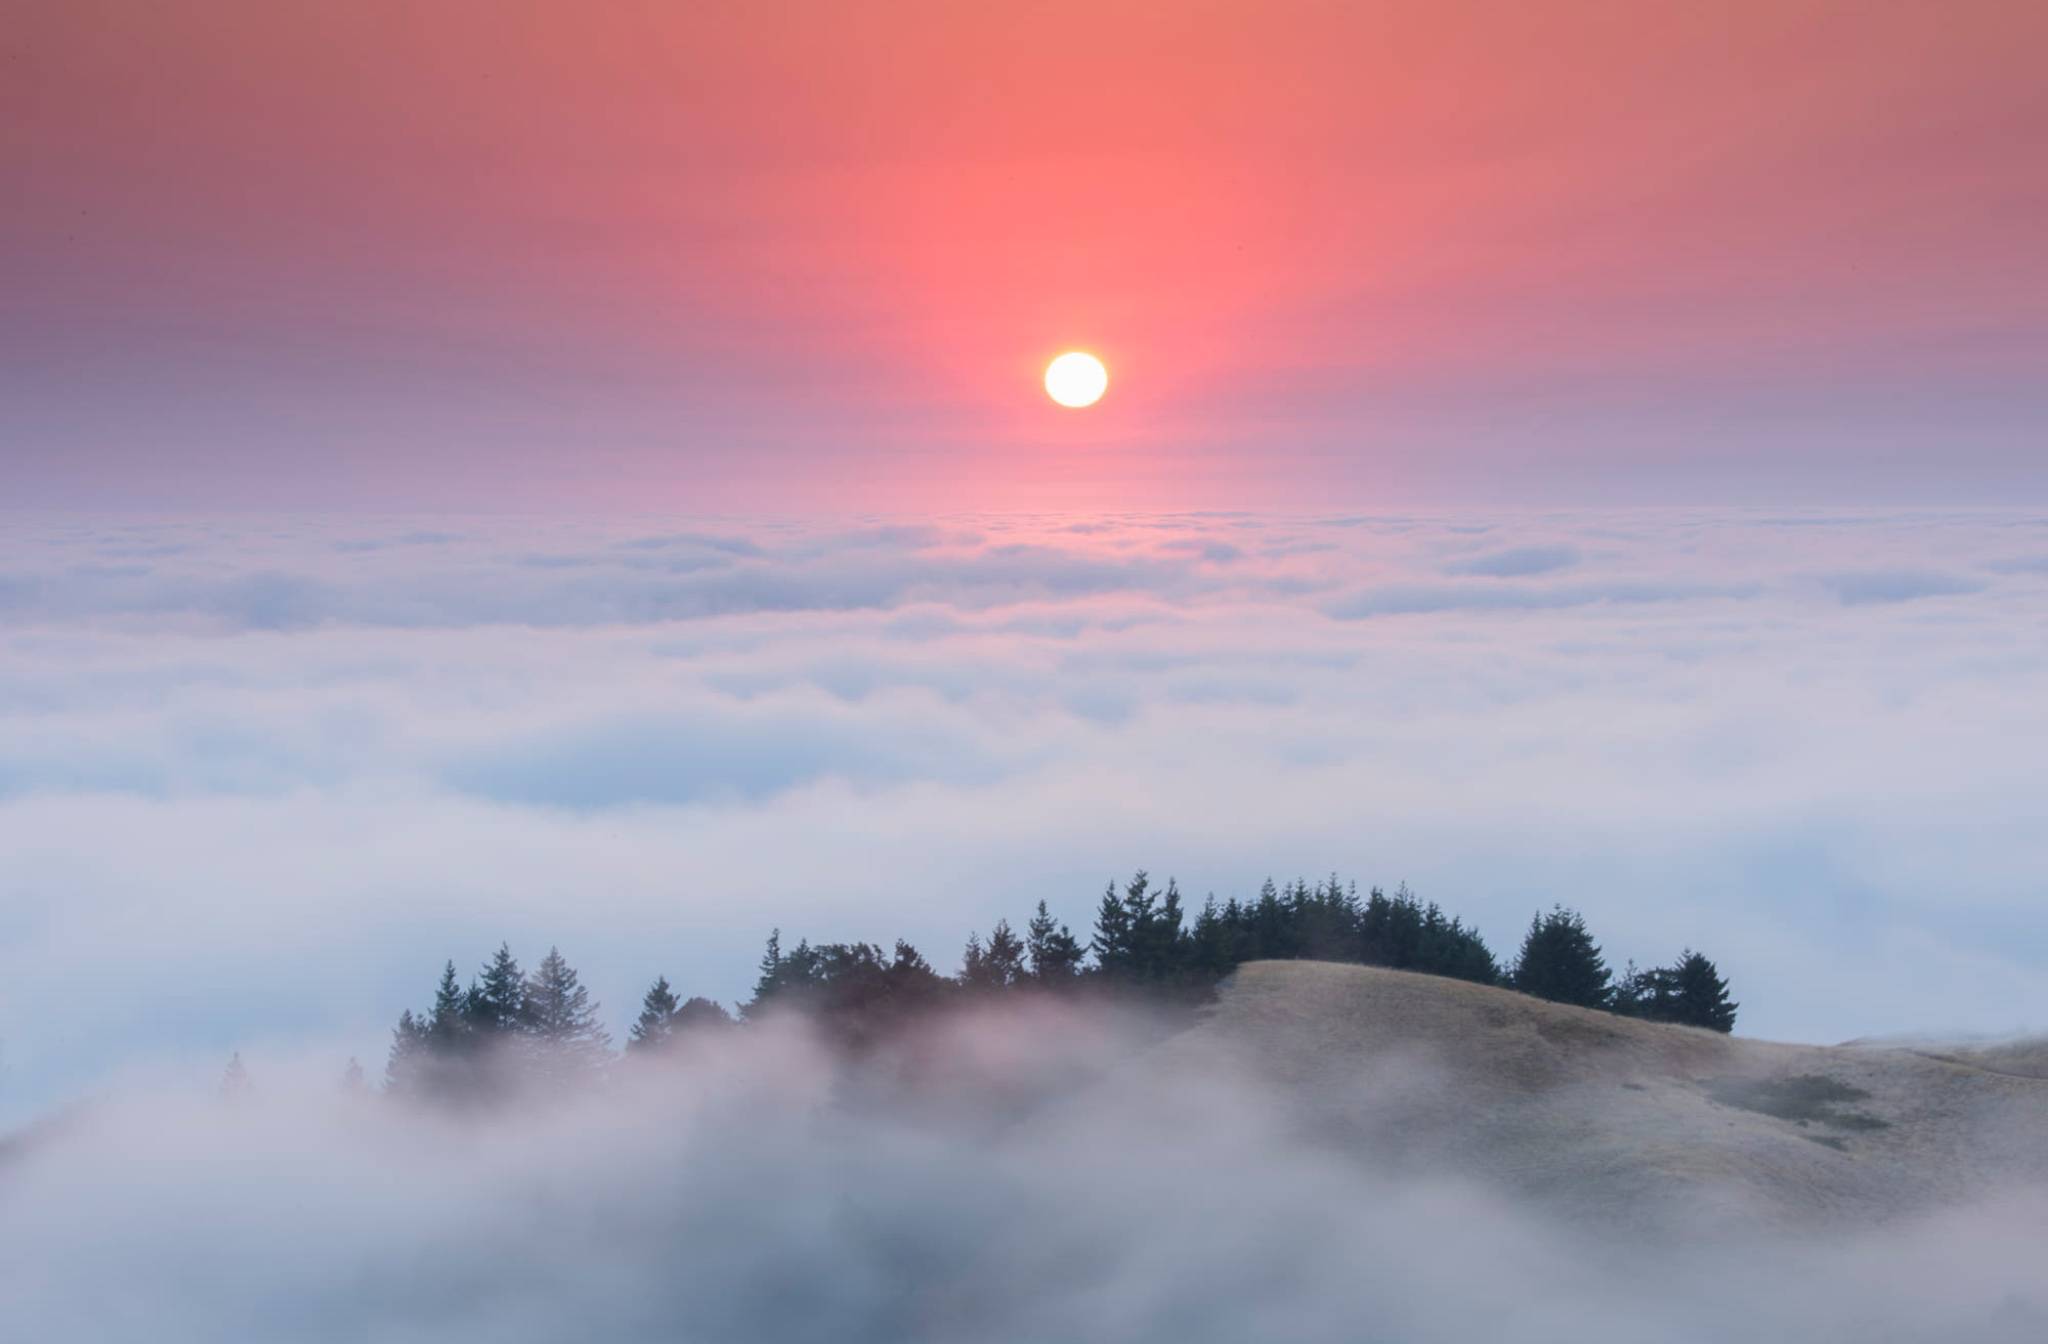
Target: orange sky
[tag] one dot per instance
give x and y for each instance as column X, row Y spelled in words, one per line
column 722, row 255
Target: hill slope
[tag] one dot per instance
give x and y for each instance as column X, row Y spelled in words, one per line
column 1627, row 1121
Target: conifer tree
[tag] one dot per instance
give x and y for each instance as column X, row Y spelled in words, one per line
column 448, row 1026
column 656, row 1026
column 1112, row 941
column 974, row 972
column 699, row 1014
column 234, row 1080
column 569, row 1043
column 1269, row 926
column 1212, row 952
column 1005, row 955
column 352, row 1081
column 404, row 1065
column 1054, row 952
column 496, row 1003
column 1163, row 946
column 770, row 976
column 1561, row 962
column 1701, row 994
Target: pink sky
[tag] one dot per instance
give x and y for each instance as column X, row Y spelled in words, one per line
column 764, row 256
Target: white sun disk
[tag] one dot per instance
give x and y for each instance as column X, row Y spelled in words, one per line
column 1076, row 379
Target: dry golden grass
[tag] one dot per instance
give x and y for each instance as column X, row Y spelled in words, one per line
column 1621, row 1119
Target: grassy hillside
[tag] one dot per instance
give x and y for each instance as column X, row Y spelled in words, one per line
column 1628, row 1121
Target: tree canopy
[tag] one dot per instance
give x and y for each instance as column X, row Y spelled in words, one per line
column 545, row 1025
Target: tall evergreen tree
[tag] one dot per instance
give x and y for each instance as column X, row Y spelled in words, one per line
column 1112, row 943
column 404, row 1067
column 497, row 1003
column 234, row 1080
column 1006, row 955
column 1271, row 934
column 974, row 970
column 1213, row 942
column 448, row 1025
column 1055, row 954
column 1561, row 962
column 1702, row 995
column 773, row 976
column 1163, row 940
column 569, row 1043
column 655, row 1028
column 700, row 1014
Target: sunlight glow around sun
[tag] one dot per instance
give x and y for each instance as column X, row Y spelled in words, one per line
column 1076, row 379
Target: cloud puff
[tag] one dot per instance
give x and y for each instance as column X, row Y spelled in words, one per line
column 1898, row 585
column 1413, row 599
column 1517, row 561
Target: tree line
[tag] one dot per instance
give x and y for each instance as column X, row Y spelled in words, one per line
column 1142, row 943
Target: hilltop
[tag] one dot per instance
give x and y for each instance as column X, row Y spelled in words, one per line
column 1621, row 1120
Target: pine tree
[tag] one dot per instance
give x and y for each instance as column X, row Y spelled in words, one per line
column 1270, row 929
column 1112, row 941
column 974, row 972
column 496, row 1004
column 1163, row 942
column 405, row 1064
column 697, row 1014
column 772, row 977
column 448, row 1027
column 1212, row 953
column 570, row 1045
column 1561, row 962
column 1651, row 994
column 1701, row 994
column 352, row 1081
column 1005, row 955
column 1054, row 952
column 656, row 1026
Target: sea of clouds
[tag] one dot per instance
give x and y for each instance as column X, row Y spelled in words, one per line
column 259, row 777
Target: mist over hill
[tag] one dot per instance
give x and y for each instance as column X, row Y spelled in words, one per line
column 1330, row 1152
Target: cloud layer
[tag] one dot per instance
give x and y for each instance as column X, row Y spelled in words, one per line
column 256, row 781
column 740, row 1196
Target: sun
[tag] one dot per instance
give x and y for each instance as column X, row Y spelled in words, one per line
column 1076, row 379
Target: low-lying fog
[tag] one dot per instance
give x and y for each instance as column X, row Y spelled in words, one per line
column 1031, row 1174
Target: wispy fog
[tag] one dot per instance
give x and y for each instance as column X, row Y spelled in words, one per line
column 258, row 778
column 1028, row 1176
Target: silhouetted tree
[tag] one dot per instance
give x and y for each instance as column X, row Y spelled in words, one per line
column 497, row 1003
column 1324, row 919
column 1644, row 993
column 569, row 1044
column 448, row 1024
column 405, row 1066
column 1055, row 954
column 1270, row 931
column 974, row 968
column 780, row 973
column 655, row 1028
column 698, row 1014
column 352, row 1080
column 234, row 1080
column 1114, row 948
column 1005, row 955
column 1215, row 941
column 1702, row 995
column 463, row 1046
column 1561, row 962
